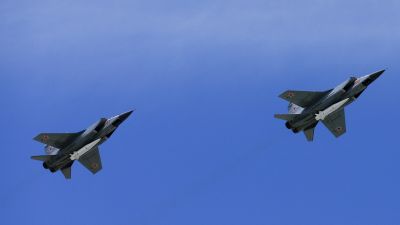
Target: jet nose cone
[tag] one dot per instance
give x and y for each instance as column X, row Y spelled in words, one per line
column 372, row 77
column 117, row 120
column 125, row 115
column 377, row 74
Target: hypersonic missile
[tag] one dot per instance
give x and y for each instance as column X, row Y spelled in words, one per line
column 76, row 155
column 323, row 114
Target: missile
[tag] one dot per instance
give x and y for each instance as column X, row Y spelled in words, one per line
column 323, row 114
column 76, row 155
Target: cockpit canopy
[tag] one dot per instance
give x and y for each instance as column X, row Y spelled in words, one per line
column 347, row 85
column 96, row 126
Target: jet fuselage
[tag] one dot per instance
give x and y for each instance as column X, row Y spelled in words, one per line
column 351, row 89
column 101, row 131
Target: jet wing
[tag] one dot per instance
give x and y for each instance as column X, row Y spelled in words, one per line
column 303, row 99
column 336, row 122
column 57, row 140
column 92, row 160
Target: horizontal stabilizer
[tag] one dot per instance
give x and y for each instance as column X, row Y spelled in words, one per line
column 41, row 157
column 286, row 117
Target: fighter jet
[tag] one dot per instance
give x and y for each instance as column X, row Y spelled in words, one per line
column 307, row 108
column 63, row 149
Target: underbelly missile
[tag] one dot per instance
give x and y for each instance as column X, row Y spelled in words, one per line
column 76, row 155
column 331, row 109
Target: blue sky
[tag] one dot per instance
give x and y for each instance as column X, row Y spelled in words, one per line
column 203, row 146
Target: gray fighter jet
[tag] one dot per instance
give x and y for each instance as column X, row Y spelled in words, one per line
column 307, row 108
column 62, row 149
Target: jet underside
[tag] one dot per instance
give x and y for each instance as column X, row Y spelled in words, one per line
column 308, row 108
column 63, row 149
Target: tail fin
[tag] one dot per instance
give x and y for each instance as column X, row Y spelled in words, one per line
column 294, row 109
column 41, row 157
column 309, row 134
column 286, row 117
column 66, row 171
